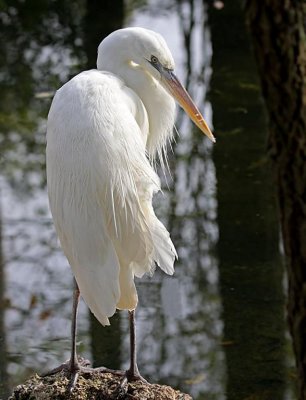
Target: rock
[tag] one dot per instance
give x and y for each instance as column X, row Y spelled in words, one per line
column 92, row 386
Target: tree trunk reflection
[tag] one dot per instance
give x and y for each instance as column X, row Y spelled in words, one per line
column 102, row 18
column 4, row 384
column 250, row 275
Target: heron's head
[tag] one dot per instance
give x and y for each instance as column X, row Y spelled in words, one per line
column 148, row 49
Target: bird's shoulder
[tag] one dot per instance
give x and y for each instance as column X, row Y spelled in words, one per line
column 93, row 77
column 101, row 93
column 87, row 85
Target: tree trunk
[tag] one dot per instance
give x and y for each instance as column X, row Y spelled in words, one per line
column 102, row 18
column 279, row 37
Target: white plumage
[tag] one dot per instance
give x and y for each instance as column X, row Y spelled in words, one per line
column 104, row 129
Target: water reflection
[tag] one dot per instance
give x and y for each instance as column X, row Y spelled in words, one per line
column 226, row 239
column 251, row 271
column 186, row 331
column 3, row 347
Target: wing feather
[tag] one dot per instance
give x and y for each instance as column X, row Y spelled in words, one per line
column 100, row 186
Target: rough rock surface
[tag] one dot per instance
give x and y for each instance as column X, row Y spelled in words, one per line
column 92, row 386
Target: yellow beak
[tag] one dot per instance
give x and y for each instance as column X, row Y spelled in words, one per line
column 177, row 90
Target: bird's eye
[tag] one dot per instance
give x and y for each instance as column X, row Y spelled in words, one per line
column 154, row 60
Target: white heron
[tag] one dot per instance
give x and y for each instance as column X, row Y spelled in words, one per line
column 105, row 128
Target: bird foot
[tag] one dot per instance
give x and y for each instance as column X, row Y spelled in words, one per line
column 81, row 366
column 128, row 376
column 132, row 376
column 73, row 370
column 68, row 366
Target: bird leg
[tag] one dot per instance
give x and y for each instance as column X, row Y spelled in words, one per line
column 75, row 365
column 132, row 373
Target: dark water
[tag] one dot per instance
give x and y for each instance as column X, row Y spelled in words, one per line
column 216, row 329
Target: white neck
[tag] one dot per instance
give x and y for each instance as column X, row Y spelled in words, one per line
column 159, row 105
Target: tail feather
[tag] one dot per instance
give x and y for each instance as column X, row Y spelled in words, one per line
column 164, row 250
column 94, row 263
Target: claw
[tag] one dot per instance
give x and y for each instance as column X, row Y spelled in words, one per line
column 73, row 380
column 80, row 364
column 121, row 389
column 128, row 376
